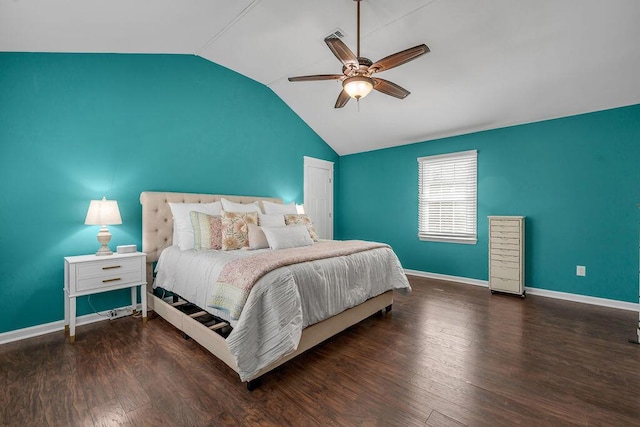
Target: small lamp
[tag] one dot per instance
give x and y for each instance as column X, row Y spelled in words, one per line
column 103, row 212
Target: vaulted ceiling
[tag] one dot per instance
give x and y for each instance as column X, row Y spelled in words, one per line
column 493, row 63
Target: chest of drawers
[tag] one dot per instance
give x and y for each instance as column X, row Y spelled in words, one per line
column 506, row 254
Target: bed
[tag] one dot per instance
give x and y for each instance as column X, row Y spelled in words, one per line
column 289, row 309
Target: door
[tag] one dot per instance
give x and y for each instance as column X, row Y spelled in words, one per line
column 318, row 195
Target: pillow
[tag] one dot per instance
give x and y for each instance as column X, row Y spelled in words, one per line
column 275, row 220
column 207, row 231
column 287, row 237
column 302, row 219
column 182, row 228
column 257, row 239
column 278, row 208
column 230, row 206
column 235, row 233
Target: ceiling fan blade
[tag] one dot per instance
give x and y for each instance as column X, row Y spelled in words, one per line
column 316, row 77
column 398, row 58
column 389, row 88
column 342, row 52
column 342, row 100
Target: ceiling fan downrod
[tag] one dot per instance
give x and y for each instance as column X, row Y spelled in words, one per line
column 358, row 29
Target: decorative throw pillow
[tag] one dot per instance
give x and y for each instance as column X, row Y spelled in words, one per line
column 274, row 220
column 230, row 206
column 293, row 236
column 235, row 233
column 279, row 208
column 207, row 231
column 302, row 219
column 257, row 239
column 182, row 228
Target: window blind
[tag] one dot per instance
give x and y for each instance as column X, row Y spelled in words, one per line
column 447, row 199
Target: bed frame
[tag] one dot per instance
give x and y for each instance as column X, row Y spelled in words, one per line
column 157, row 234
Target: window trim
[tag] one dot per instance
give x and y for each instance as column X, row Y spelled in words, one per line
column 424, row 235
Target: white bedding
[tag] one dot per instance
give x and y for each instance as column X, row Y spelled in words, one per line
column 284, row 301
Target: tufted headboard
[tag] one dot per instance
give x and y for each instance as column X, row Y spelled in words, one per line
column 157, row 221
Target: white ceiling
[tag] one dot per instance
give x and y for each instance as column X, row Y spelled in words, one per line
column 493, row 63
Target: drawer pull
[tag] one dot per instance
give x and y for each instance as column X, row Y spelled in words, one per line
column 110, row 280
column 110, row 267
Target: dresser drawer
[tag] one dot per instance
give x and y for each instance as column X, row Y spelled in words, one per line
column 508, row 262
column 504, row 247
column 108, row 268
column 505, row 272
column 504, row 250
column 513, row 241
column 505, row 226
column 505, row 285
column 109, row 280
column 505, row 235
column 505, row 263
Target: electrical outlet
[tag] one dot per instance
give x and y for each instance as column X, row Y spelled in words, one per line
column 581, row 270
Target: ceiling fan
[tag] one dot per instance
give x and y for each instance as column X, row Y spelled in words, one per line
column 357, row 71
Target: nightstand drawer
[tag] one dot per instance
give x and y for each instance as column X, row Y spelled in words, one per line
column 107, row 280
column 108, row 268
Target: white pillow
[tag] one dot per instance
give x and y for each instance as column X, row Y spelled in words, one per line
column 182, row 228
column 230, row 206
column 278, row 208
column 274, row 220
column 257, row 239
column 287, row 237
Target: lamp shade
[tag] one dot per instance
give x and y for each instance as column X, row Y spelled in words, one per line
column 358, row 86
column 103, row 212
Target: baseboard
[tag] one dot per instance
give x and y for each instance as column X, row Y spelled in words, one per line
column 622, row 305
column 47, row 328
column 466, row 280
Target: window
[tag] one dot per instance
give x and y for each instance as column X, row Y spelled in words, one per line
column 447, row 187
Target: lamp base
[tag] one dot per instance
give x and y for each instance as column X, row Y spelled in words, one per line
column 104, row 237
column 104, row 250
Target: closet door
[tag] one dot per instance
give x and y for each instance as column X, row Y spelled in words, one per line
column 318, row 195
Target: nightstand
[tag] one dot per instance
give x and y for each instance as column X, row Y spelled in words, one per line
column 91, row 274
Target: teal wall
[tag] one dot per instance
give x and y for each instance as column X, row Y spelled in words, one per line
column 76, row 127
column 576, row 179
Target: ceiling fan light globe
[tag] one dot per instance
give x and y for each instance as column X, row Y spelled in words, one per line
column 358, row 86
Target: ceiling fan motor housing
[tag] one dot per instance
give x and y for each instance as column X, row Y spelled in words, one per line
column 362, row 69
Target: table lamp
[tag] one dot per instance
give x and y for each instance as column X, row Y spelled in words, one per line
column 103, row 212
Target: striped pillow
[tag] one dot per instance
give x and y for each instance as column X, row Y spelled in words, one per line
column 207, row 230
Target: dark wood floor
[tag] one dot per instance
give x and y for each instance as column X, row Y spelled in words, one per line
column 447, row 355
